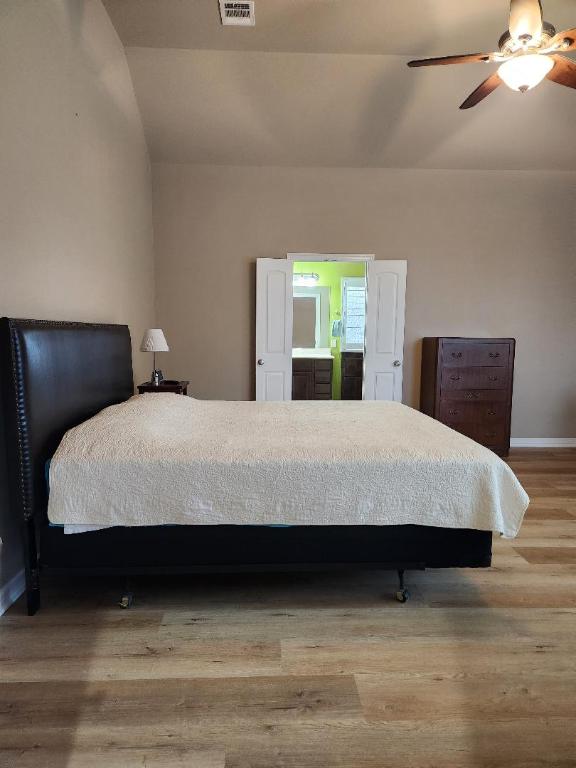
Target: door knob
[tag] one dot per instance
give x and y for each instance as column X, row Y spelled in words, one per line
column 260, row 362
column 396, row 363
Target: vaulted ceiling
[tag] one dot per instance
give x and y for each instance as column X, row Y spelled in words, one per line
column 325, row 83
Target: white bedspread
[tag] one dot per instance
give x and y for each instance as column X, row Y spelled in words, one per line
column 168, row 459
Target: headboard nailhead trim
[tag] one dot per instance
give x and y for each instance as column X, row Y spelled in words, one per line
column 23, row 446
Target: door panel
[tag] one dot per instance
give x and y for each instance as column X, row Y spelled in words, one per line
column 385, row 309
column 274, row 385
column 387, row 297
column 383, row 387
column 276, row 297
column 273, row 329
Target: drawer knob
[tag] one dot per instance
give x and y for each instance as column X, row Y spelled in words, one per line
column 455, row 378
column 492, row 378
column 491, row 413
column 493, row 354
column 453, row 413
column 456, row 354
column 472, row 395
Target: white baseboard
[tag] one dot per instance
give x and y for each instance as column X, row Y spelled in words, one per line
column 543, row 442
column 11, row 591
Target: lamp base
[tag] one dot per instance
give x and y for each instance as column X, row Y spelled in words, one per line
column 157, row 377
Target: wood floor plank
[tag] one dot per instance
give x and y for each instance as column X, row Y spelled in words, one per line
column 564, row 529
column 536, row 597
column 271, row 699
column 147, row 757
column 546, row 555
column 155, row 660
column 466, row 697
column 520, row 657
column 415, row 620
column 541, row 513
column 473, row 743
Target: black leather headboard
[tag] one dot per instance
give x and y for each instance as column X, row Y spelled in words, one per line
column 54, row 376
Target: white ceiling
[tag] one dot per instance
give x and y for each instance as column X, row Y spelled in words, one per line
column 325, row 83
column 405, row 27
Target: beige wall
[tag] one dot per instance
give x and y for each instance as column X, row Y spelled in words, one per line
column 489, row 254
column 75, row 201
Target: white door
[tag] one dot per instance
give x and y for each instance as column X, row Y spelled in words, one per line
column 273, row 329
column 385, row 309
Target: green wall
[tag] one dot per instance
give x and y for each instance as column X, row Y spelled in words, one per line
column 331, row 273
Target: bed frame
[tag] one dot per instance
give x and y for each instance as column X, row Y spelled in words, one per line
column 56, row 375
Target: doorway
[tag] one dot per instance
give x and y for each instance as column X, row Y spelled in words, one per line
column 355, row 329
column 329, row 316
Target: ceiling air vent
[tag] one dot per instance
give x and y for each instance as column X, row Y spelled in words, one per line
column 239, row 14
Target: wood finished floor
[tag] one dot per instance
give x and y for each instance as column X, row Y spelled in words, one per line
column 477, row 670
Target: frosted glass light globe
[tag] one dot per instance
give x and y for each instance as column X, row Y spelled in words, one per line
column 522, row 73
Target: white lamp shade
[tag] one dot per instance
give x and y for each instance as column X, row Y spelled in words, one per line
column 154, row 341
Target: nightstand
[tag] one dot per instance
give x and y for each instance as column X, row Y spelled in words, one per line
column 178, row 387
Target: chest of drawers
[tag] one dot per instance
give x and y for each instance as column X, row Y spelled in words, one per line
column 467, row 385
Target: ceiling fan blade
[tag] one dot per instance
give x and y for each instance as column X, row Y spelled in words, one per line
column 565, row 41
column 483, row 90
column 525, row 19
column 563, row 72
column 465, row 58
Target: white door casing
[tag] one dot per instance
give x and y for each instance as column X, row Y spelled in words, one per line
column 273, row 329
column 384, row 346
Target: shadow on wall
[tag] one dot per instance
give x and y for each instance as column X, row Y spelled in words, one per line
column 416, row 361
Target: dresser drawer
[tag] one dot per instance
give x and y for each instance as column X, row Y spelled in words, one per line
column 485, row 434
column 322, row 376
column 322, row 389
column 488, row 413
column 474, row 378
column 323, row 365
column 458, row 353
column 302, row 364
column 475, row 395
column 484, row 422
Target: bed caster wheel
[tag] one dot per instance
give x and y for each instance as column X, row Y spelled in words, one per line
column 402, row 595
column 126, row 600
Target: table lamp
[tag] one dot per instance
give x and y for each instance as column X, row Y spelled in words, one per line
column 155, row 341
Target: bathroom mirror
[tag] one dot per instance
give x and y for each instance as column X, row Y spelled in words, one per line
column 311, row 317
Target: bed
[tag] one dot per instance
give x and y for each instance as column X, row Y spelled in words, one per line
column 76, row 379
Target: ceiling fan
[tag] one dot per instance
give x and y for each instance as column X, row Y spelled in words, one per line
column 528, row 52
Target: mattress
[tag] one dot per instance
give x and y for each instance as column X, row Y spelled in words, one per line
column 165, row 459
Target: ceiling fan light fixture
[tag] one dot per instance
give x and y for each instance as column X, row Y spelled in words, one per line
column 522, row 73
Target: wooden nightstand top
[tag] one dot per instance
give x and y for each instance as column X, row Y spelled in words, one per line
column 178, row 387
